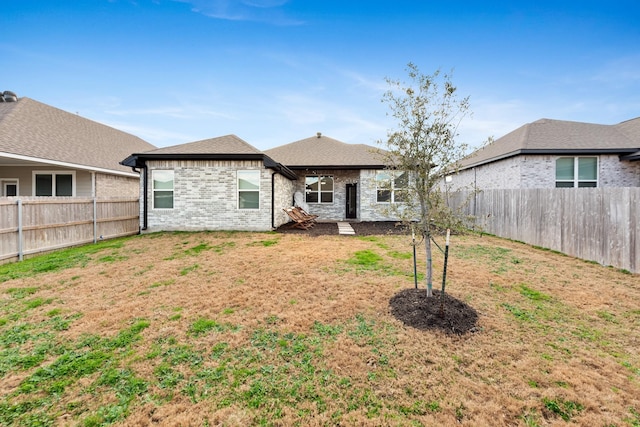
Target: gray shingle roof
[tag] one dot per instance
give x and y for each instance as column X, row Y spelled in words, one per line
column 228, row 144
column 324, row 152
column 35, row 130
column 223, row 147
column 547, row 136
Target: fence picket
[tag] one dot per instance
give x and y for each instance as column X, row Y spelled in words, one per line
column 597, row 224
column 32, row 225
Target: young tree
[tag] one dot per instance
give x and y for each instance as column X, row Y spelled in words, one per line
column 423, row 146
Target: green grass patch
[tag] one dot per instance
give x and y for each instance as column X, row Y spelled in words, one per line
column 162, row 283
column 265, row 243
column 56, row 261
column 20, row 293
column 519, row 313
column 203, row 326
column 532, row 294
column 366, row 259
column 189, row 269
column 37, row 302
column 565, row 409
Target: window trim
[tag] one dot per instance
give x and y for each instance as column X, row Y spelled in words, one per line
column 320, row 191
column 576, row 181
column 393, row 189
column 153, row 189
column 53, row 174
column 239, row 190
column 5, row 182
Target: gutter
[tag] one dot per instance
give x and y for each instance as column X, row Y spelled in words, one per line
column 134, row 162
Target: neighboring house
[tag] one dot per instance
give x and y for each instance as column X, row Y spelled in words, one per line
column 45, row 151
column 215, row 184
column 225, row 183
column 339, row 181
column 556, row 153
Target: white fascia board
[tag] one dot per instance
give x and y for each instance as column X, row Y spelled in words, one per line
column 67, row 165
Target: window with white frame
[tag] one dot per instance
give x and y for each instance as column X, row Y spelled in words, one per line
column 9, row 187
column 576, row 172
column 319, row 189
column 162, row 188
column 46, row 183
column 391, row 186
column 249, row 189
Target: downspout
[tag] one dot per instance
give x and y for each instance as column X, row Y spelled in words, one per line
column 273, row 200
column 144, row 198
column 93, row 184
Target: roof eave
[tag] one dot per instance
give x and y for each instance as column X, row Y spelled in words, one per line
column 68, row 165
column 557, row 151
column 138, row 160
column 340, row 167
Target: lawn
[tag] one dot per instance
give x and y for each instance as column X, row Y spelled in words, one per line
column 240, row 329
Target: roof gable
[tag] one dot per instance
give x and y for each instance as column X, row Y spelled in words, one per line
column 228, row 147
column 323, row 152
column 228, row 144
column 547, row 136
column 38, row 131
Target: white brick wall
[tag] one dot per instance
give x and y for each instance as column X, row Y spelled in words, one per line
column 335, row 211
column 370, row 209
column 538, row 171
column 205, row 197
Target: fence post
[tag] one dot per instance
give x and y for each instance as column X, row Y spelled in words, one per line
column 20, row 237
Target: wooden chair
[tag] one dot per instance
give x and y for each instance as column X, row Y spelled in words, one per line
column 298, row 220
column 305, row 214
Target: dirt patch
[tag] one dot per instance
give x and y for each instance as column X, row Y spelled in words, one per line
column 445, row 313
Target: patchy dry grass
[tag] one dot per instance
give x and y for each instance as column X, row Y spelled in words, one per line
column 244, row 329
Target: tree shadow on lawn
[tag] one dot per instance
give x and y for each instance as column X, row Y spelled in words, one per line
column 414, row 309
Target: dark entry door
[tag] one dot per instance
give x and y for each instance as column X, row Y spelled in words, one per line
column 352, row 201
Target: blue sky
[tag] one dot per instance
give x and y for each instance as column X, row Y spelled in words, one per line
column 276, row 71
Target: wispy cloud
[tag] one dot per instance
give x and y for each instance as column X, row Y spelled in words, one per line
column 268, row 11
column 620, row 72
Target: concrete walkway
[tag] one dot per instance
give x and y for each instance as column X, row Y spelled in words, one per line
column 345, row 228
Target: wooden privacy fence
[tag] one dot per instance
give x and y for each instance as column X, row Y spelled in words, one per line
column 597, row 224
column 34, row 224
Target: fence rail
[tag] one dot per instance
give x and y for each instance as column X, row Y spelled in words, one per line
column 31, row 225
column 597, row 224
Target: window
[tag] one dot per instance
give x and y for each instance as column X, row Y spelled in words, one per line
column 576, row 172
column 53, row 183
column 319, row 189
column 9, row 187
column 249, row 189
column 391, row 187
column 162, row 189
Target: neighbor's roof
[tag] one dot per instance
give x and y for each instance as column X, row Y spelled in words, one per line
column 547, row 136
column 323, row 152
column 33, row 131
column 228, row 147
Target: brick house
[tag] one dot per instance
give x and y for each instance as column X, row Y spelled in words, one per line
column 338, row 181
column 556, row 154
column 47, row 152
column 220, row 183
column 224, row 183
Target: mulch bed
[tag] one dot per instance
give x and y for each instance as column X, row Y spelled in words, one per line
column 361, row 228
column 413, row 308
